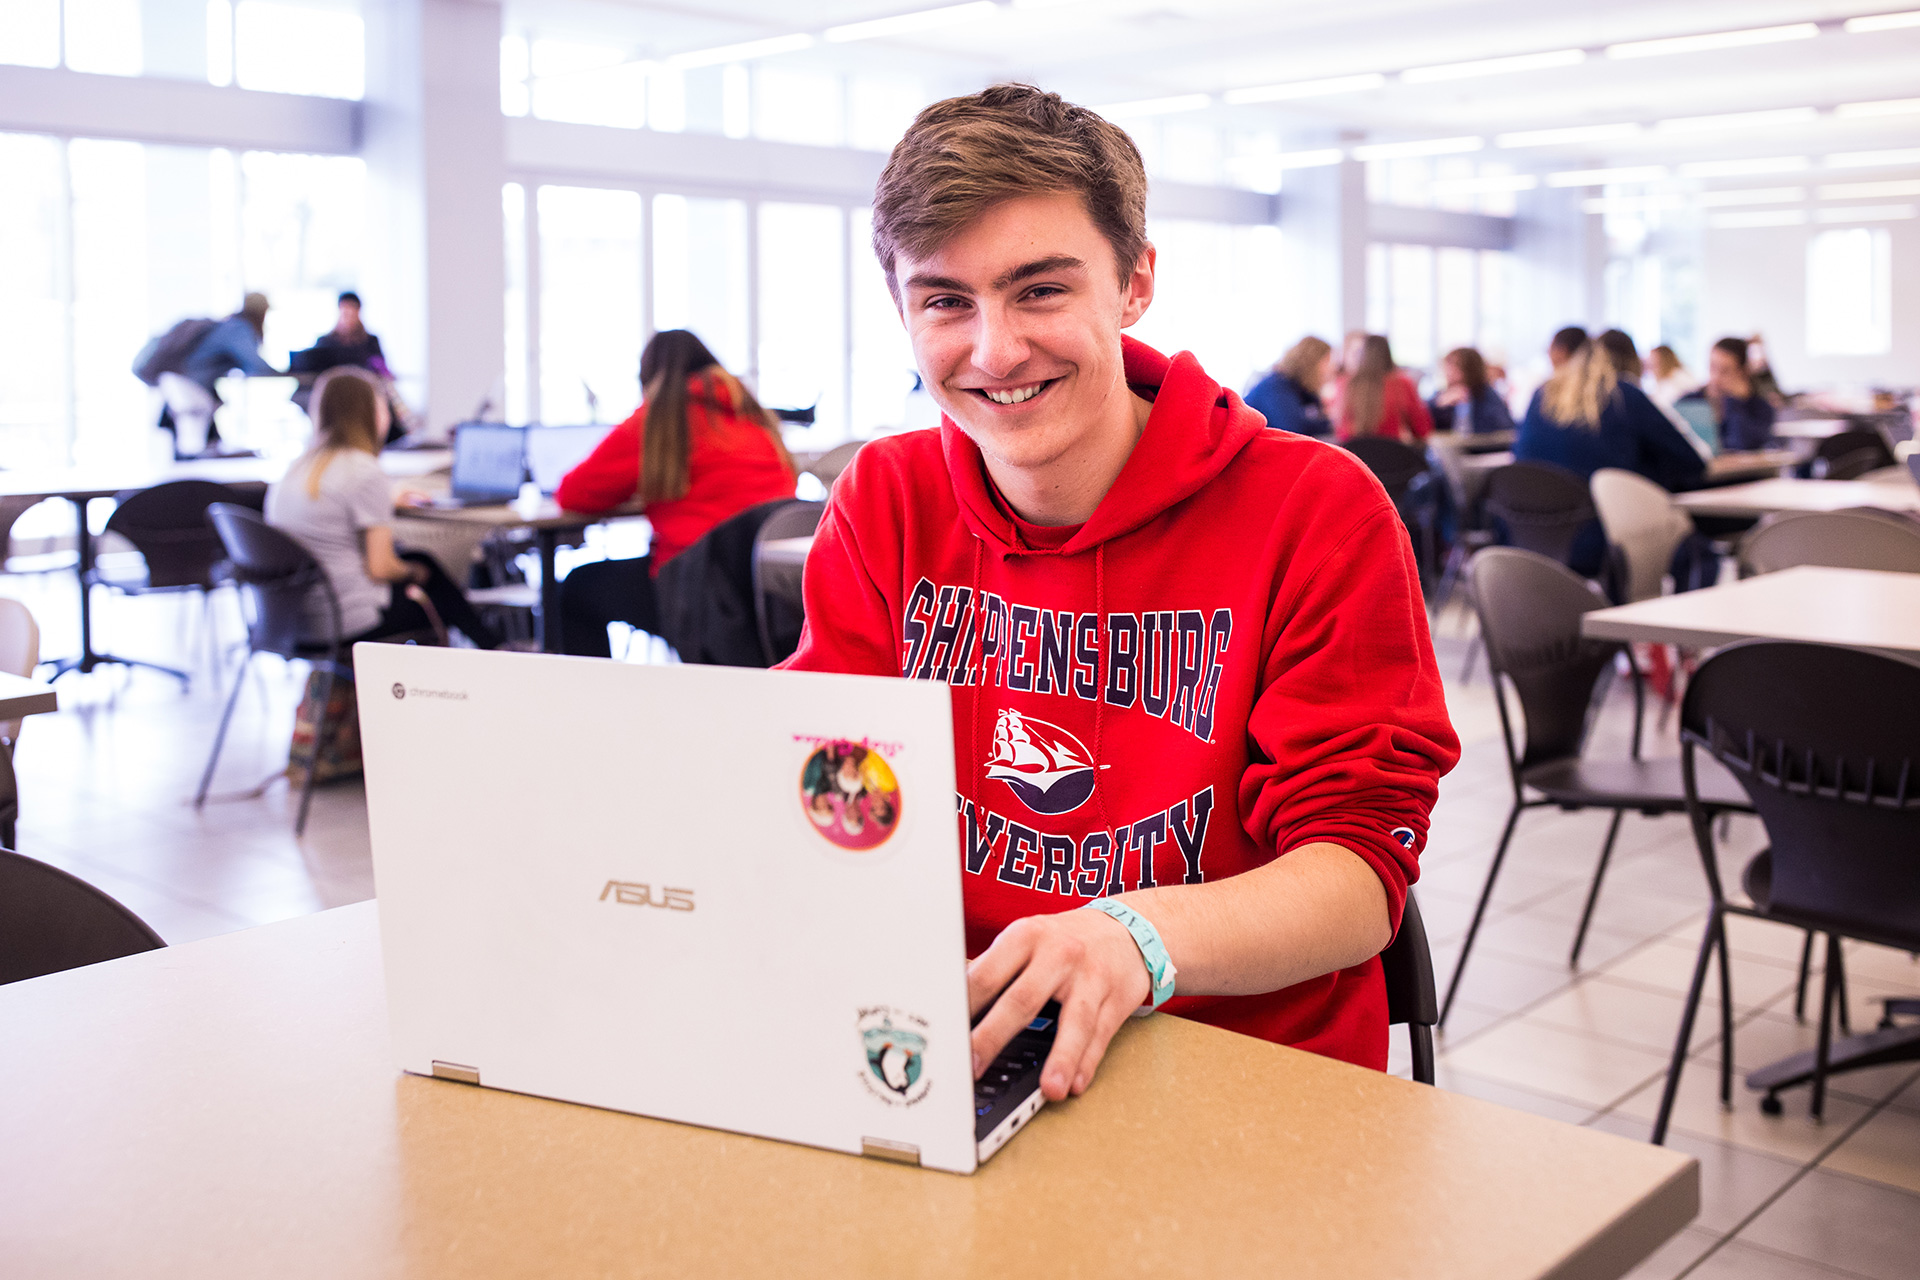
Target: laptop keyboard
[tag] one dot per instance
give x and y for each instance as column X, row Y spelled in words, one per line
column 1014, row 1075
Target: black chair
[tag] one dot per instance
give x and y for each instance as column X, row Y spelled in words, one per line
column 1468, row 490
column 778, row 607
column 1530, row 610
column 1542, row 507
column 1407, row 964
column 278, row 575
column 1850, row 455
column 1407, row 476
column 1823, row 740
column 167, row 525
column 51, row 921
column 1859, row 539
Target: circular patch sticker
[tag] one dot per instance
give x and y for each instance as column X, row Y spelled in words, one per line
column 850, row 795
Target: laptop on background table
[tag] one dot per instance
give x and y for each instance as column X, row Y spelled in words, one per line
column 554, row 451
column 489, row 461
column 713, row 895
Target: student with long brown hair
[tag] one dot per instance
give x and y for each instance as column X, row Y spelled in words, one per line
column 1469, row 394
column 337, row 503
column 698, row 451
column 1375, row 399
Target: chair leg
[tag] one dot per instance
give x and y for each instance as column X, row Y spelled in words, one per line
column 1806, row 967
column 1823, row 1047
column 1479, row 912
column 1726, row 1016
column 1422, row 1041
column 1593, row 894
column 1838, row 959
column 1473, row 652
column 313, row 757
column 1679, row 1062
column 220, row 737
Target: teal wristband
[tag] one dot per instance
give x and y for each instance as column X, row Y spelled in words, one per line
column 1160, row 970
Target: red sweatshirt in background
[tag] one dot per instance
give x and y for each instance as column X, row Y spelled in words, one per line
column 1229, row 660
column 732, row 464
column 1402, row 414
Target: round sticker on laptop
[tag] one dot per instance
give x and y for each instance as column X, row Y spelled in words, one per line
column 850, row 795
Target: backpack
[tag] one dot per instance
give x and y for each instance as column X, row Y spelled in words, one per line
column 166, row 352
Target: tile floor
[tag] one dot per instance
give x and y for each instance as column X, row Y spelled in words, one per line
column 106, row 782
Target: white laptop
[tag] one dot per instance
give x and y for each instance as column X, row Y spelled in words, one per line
column 718, row 896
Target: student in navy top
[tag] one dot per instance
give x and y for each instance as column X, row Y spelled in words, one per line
column 1468, row 396
column 1289, row 396
column 1745, row 415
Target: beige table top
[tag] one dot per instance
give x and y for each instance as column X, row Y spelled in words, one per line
column 20, row 696
column 96, row 481
column 1893, row 491
column 1857, row 607
column 229, row 1108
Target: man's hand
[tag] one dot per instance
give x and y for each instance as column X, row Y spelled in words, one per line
column 1084, row 959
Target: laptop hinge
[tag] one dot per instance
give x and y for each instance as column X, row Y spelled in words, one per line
column 454, row 1071
column 885, row 1149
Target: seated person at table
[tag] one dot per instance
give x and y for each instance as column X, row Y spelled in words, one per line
column 1189, row 661
column 1744, row 414
column 697, row 452
column 1670, row 379
column 1289, row 396
column 1375, row 399
column 337, row 503
column 1618, row 345
column 1468, row 404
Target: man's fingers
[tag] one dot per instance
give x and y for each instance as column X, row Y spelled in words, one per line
column 998, row 965
column 1078, row 1031
column 1107, row 1022
column 1015, row 1008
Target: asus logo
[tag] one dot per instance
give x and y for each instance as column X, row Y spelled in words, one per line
column 628, row 893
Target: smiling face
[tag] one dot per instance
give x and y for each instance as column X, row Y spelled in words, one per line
column 1016, row 321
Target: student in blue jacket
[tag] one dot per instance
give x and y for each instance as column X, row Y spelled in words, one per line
column 1468, row 403
column 1289, row 396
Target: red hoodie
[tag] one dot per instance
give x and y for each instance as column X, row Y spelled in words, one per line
column 1230, row 659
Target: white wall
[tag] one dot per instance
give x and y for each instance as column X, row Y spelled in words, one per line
column 1754, row 280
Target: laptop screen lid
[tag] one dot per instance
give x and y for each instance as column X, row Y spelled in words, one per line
column 488, row 458
column 554, row 451
column 714, row 895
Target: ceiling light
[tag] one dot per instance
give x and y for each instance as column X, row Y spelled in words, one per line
column 1758, row 218
column 1757, row 195
column 1868, row 190
column 1738, row 120
column 1874, row 159
column 1494, row 66
column 1743, row 168
column 1316, row 159
column 1426, row 147
column 1303, row 89
column 1890, row 107
column 1713, row 40
column 1156, row 106
column 1607, row 177
column 902, row 24
column 1866, row 213
column 1884, row 22
column 1628, row 204
column 1484, row 186
column 743, row 52
column 1558, row 137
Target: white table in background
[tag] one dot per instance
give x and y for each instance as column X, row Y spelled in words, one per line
column 1891, row 489
column 1856, row 607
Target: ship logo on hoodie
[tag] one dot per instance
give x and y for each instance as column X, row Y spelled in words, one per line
column 1045, row 766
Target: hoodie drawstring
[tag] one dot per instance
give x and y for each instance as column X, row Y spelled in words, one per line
column 1100, row 696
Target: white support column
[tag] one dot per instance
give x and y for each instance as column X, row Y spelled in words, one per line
column 1324, row 224
column 435, row 146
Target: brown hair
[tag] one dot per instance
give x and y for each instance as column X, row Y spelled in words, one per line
column 346, row 415
column 1364, row 399
column 1579, row 393
column 1665, row 362
column 962, row 156
column 1625, row 356
column 1302, row 358
column 1473, row 369
column 669, row 363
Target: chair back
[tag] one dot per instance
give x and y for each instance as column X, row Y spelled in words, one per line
column 1835, row 540
column 1407, row 966
column 1530, row 609
column 1543, row 507
column 1643, row 528
column 1395, row 463
column 1851, row 454
column 828, row 466
column 51, row 921
column 167, row 525
column 279, row 575
column 19, row 651
column 1825, row 741
column 778, row 605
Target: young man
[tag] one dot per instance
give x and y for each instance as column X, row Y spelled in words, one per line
column 1192, row 681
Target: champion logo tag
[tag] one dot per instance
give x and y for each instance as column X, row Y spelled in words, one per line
column 1404, row 835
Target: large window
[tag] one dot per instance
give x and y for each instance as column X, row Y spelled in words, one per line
column 590, row 304
column 1850, row 292
column 1219, row 293
column 1428, row 301
column 803, row 315
column 700, row 274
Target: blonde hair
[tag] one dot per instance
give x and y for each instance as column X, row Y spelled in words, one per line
column 346, row 415
column 1579, row 392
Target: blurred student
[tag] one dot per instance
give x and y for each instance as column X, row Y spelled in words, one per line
column 1564, row 344
column 1632, row 370
column 698, row 451
column 1744, row 414
column 338, row 504
column 348, row 342
column 1468, row 403
column 1289, row 396
column 232, row 343
column 1375, row 399
column 1670, row 379
column 1760, row 372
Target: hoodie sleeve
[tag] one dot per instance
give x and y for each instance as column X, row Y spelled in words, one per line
column 1349, row 733
column 606, row 477
column 849, row 624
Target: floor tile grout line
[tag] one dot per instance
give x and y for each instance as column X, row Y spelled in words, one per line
column 1795, row 1181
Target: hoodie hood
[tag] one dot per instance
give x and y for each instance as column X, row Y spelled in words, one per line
column 1195, row 429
